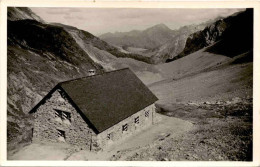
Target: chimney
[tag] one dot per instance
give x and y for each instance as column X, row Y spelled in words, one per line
column 91, row 72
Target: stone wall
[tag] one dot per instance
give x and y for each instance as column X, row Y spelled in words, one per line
column 47, row 124
column 77, row 132
column 116, row 131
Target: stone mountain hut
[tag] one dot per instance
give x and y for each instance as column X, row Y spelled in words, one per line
column 94, row 111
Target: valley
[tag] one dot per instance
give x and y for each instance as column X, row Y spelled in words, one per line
column 223, row 107
column 205, row 106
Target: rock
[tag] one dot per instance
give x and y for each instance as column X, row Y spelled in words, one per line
column 192, row 103
column 218, row 102
column 228, row 102
column 236, row 100
column 161, row 139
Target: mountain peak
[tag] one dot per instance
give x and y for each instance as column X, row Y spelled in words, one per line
column 21, row 13
column 149, row 38
column 160, row 26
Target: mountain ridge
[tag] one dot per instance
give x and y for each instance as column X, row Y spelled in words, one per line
column 18, row 13
column 221, row 30
column 149, row 38
column 163, row 50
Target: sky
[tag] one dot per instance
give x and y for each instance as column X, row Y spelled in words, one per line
column 102, row 20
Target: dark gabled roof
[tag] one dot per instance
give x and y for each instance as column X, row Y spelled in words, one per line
column 109, row 98
column 106, row 99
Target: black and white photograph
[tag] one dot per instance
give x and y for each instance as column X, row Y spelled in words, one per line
column 129, row 84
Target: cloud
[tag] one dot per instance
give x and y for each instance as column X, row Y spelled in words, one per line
column 102, row 20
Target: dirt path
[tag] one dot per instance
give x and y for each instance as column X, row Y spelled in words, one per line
column 167, row 126
column 42, row 151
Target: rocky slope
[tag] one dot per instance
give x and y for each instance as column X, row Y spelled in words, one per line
column 19, row 13
column 234, row 32
column 148, row 39
column 40, row 55
column 158, row 43
column 176, row 44
column 87, row 42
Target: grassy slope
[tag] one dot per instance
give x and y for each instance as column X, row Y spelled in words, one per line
column 202, row 89
column 85, row 38
column 193, row 63
column 224, row 83
column 100, row 52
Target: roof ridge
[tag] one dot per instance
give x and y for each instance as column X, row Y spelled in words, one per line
column 93, row 75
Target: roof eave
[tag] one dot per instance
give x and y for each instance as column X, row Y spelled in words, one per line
column 80, row 112
column 58, row 86
column 43, row 100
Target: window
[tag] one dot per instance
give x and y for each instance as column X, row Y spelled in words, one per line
column 146, row 114
column 91, row 72
column 109, row 136
column 58, row 113
column 66, row 115
column 137, row 120
column 61, row 133
column 63, row 115
column 124, row 127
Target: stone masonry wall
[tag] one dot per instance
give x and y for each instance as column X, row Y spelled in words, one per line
column 116, row 131
column 47, row 124
column 77, row 131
